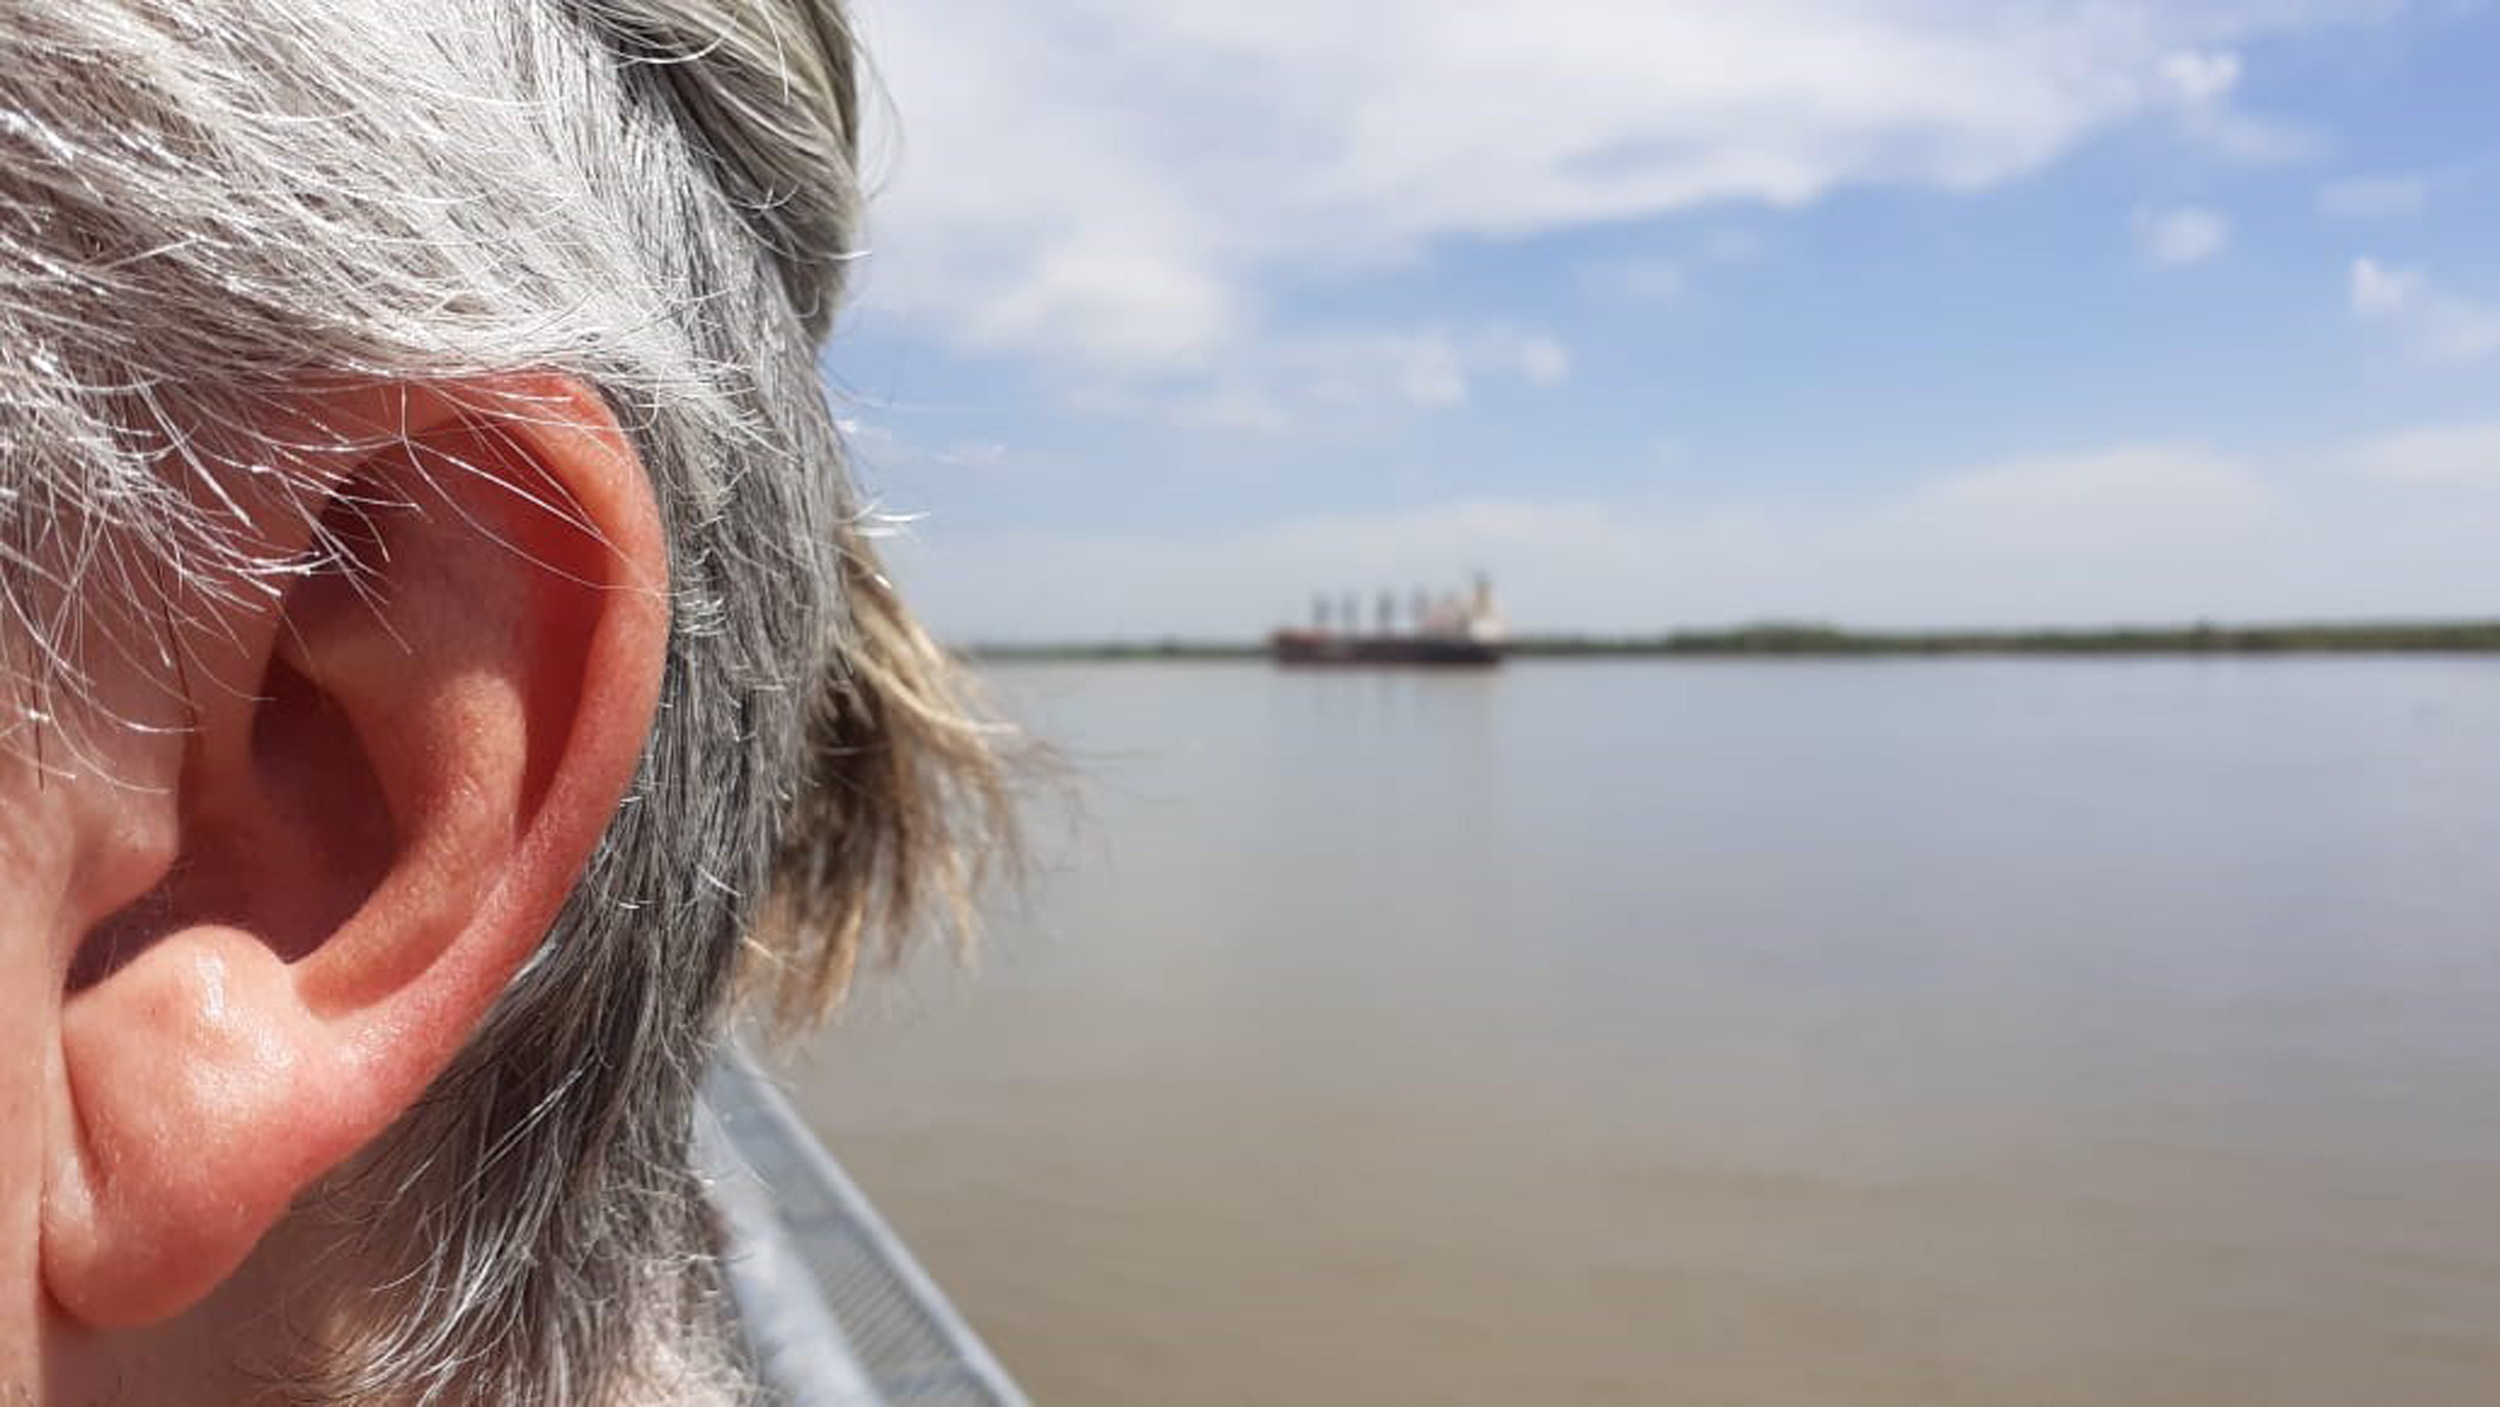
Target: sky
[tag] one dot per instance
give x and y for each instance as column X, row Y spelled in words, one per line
column 1680, row 313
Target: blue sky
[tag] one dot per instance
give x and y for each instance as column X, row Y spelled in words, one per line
column 1671, row 313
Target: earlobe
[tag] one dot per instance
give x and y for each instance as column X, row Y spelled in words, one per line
column 371, row 839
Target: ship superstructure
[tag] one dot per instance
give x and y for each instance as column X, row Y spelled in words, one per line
column 1452, row 628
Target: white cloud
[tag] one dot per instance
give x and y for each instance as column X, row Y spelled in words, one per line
column 2372, row 197
column 1542, row 360
column 2130, row 495
column 2441, row 325
column 1104, row 306
column 2188, row 235
column 1359, row 375
column 2447, row 456
column 879, row 450
column 972, row 454
column 1115, row 184
column 1232, row 407
column 2382, row 292
column 2141, row 535
column 1639, row 280
column 2200, row 76
column 2151, row 532
column 2201, row 83
column 1425, row 369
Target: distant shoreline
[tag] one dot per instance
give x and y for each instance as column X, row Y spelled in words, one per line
column 1790, row 641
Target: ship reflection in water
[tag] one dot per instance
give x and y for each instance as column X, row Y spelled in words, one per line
column 1457, row 628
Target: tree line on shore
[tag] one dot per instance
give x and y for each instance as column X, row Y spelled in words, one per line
column 1809, row 639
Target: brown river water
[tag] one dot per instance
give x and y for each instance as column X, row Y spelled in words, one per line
column 1962, row 1032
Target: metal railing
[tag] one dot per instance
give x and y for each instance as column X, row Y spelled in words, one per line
column 834, row 1309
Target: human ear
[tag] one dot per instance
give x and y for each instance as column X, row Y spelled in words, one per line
column 404, row 752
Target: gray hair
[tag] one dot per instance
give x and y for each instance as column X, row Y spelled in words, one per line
column 206, row 203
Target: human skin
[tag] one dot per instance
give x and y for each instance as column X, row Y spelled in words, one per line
column 302, row 830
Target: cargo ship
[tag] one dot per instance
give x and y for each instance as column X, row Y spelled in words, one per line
column 1454, row 629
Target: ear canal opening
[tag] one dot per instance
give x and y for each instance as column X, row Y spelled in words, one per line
column 127, row 932
column 329, row 836
column 290, row 859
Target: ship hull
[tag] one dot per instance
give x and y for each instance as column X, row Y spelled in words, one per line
column 1308, row 647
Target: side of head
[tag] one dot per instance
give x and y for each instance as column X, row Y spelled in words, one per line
column 438, row 652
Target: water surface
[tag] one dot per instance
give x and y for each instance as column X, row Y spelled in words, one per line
column 1883, row 1032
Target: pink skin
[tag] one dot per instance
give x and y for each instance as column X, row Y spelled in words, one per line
column 349, row 832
